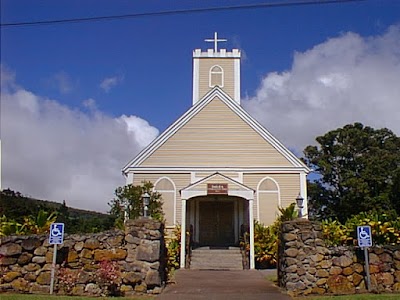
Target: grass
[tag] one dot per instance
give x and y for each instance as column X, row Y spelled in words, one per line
column 54, row 297
column 146, row 297
column 356, row 297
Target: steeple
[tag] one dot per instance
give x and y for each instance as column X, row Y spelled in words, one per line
column 216, row 67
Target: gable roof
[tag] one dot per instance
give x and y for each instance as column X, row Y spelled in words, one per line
column 219, row 175
column 194, row 110
column 200, row 188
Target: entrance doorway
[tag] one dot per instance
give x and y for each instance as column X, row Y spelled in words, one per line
column 216, row 222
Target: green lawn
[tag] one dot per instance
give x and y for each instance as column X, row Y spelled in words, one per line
column 48, row 297
column 356, row 297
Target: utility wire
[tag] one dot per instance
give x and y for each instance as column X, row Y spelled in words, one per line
column 176, row 12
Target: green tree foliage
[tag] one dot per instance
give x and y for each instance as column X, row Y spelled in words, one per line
column 359, row 170
column 128, row 199
column 15, row 206
column 21, row 213
column 78, row 221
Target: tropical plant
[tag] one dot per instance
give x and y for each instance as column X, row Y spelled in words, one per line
column 11, row 227
column 266, row 243
column 40, row 223
column 266, row 237
column 288, row 213
column 31, row 225
column 173, row 244
column 385, row 229
column 334, row 233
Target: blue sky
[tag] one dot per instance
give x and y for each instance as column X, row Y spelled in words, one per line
column 301, row 64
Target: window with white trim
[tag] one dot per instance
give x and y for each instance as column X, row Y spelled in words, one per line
column 165, row 186
column 268, row 201
column 216, row 76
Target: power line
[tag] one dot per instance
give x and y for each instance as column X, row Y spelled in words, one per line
column 176, row 12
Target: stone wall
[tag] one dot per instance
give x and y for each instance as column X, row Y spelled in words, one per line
column 112, row 262
column 306, row 266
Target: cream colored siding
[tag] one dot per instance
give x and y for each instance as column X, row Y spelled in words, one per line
column 216, row 137
column 168, row 206
column 227, row 66
column 289, row 186
column 268, row 207
column 166, row 188
column 180, row 180
column 164, row 184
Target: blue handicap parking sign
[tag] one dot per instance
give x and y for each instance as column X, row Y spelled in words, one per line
column 56, row 233
column 364, row 236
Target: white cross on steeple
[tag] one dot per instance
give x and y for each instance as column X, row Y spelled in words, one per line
column 215, row 41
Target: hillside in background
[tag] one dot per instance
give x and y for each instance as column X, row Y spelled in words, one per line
column 15, row 206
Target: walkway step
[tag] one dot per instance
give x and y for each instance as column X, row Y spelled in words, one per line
column 216, row 259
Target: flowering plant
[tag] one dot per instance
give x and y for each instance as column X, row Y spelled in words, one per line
column 108, row 276
column 67, row 279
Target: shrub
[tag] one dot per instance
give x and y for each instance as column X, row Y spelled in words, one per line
column 266, row 238
column 335, row 233
column 385, row 229
column 266, row 244
column 173, row 251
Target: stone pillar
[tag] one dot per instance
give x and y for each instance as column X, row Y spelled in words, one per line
column 147, row 252
column 300, row 250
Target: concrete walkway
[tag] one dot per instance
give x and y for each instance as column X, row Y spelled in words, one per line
column 221, row 285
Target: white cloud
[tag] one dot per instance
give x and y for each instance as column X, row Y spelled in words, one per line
column 51, row 151
column 108, row 83
column 142, row 130
column 343, row 80
column 62, row 82
column 90, row 104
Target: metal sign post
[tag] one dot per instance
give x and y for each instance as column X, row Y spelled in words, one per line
column 56, row 237
column 364, row 238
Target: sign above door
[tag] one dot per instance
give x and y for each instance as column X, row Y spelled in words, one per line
column 217, row 189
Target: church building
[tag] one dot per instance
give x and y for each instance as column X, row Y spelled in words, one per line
column 217, row 168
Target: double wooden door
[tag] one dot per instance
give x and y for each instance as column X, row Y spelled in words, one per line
column 216, row 223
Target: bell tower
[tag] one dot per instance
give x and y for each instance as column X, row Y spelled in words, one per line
column 216, row 67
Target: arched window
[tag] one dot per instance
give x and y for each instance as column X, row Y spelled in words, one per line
column 216, row 76
column 166, row 187
column 268, row 201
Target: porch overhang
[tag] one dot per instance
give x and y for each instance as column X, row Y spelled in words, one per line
column 201, row 188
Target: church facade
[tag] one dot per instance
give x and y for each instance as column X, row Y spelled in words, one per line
column 216, row 167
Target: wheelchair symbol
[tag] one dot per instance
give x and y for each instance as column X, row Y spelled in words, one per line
column 56, row 232
column 363, row 234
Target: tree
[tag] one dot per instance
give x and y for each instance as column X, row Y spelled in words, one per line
column 359, row 170
column 129, row 201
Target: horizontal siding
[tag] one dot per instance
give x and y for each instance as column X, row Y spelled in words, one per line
column 289, row 185
column 168, row 208
column 227, row 65
column 180, row 180
column 268, row 207
column 216, row 137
